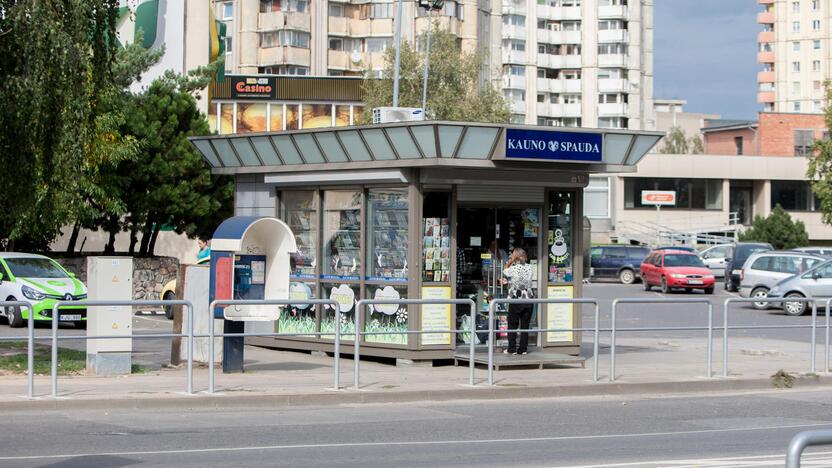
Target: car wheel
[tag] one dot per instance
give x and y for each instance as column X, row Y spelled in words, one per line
column 759, row 293
column 645, row 285
column 627, row 276
column 13, row 315
column 665, row 289
column 709, row 290
column 169, row 296
column 794, row 308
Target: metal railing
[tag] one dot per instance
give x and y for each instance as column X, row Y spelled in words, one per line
column 751, row 300
column 358, row 333
column 805, row 439
column 691, row 300
column 30, row 343
column 278, row 302
column 492, row 308
column 91, row 303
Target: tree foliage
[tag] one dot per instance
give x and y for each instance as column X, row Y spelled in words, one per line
column 777, row 229
column 676, row 142
column 455, row 90
column 819, row 172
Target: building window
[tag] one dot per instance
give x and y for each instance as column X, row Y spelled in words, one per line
column 286, row 37
column 816, row 85
column 612, row 122
column 287, row 70
column 795, row 26
column 517, row 70
column 597, row 198
column 337, row 10
column 795, row 87
column 345, row 43
column 815, row 25
column 514, row 20
column 226, row 11
column 815, row 5
column 797, row 106
column 815, row 65
column 795, row 7
column 517, row 119
column 816, row 44
column 515, row 45
column 298, row 6
column 738, row 144
column 796, row 46
column 796, row 67
column 792, row 195
column 378, row 11
column 611, row 24
column 615, row 48
column 818, row 106
column 691, row 194
column 515, row 95
column 571, row 98
column 228, row 44
column 803, row 140
column 378, row 44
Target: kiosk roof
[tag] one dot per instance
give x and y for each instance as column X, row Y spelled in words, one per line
column 426, row 144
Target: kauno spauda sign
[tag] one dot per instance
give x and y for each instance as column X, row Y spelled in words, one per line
column 553, row 146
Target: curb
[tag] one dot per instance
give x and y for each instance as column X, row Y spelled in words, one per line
column 202, row 401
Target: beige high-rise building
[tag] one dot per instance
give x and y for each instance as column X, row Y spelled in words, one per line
column 794, row 51
column 559, row 62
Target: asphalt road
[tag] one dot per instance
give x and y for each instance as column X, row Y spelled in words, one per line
column 565, row 432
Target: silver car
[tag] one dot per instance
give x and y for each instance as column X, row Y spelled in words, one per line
column 823, row 251
column 816, row 283
column 763, row 270
column 714, row 258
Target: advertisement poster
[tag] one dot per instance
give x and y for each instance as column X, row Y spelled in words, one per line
column 387, row 321
column 559, row 315
column 436, row 316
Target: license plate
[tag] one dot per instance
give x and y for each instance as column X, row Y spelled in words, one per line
column 70, row 317
column 694, row 281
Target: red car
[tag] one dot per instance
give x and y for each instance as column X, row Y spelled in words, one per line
column 671, row 269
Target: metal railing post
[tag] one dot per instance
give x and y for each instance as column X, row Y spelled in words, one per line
column 54, row 364
column 596, row 347
column 612, row 340
column 813, row 353
column 710, row 339
column 826, row 354
column 725, row 337
column 491, row 339
column 802, row 440
column 471, row 350
column 357, row 344
column 336, row 351
column 211, row 332
column 190, row 383
column 30, row 353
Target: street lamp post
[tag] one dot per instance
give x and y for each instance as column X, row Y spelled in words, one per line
column 398, row 54
column 429, row 6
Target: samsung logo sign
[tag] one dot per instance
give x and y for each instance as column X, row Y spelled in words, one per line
column 554, row 146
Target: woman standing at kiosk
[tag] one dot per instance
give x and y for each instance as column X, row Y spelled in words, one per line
column 518, row 275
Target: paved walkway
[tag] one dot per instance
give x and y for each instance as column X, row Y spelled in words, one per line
column 643, row 365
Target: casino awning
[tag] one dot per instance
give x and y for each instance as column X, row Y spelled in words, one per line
column 426, row 144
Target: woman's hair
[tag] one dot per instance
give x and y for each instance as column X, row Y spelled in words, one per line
column 520, row 254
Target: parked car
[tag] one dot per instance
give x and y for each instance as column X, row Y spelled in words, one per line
column 169, row 291
column 763, row 270
column 823, row 251
column 816, row 283
column 714, row 258
column 42, row 282
column 672, row 269
column 617, row 261
column 677, row 247
column 735, row 259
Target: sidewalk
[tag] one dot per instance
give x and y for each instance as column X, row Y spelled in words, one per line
column 283, row 378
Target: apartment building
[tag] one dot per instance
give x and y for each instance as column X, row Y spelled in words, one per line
column 794, row 51
column 559, row 62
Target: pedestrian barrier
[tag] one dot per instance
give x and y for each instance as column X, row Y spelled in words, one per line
column 805, row 439
column 279, row 302
column 664, row 300
column 359, row 307
column 751, row 300
column 30, row 344
column 492, row 308
column 91, row 303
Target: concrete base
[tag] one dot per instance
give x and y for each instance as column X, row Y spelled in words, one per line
column 414, row 362
column 109, row 363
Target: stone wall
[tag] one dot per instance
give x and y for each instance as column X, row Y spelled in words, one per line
column 149, row 274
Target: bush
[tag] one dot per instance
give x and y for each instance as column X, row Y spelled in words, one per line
column 777, row 229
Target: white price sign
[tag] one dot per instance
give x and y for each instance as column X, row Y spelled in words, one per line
column 658, row 197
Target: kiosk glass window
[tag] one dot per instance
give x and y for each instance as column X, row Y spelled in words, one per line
column 346, row 296
column 388, row 320
column 387, row 239
column 301, row 214
column 342, row 234
column 436, row 240
column 299, row 318
column 559, row 236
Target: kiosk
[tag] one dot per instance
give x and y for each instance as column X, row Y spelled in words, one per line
column 249, row 260
column 423, row 210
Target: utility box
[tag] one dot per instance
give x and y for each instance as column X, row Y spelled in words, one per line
column 109, row 279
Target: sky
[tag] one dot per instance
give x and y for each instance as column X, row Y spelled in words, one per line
column 705, row 51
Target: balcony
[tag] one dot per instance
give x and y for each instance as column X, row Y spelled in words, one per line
column 338, row 26
column 445, row 22
column 613, row 35
column 360, row 27
column 613, row 85
column 612, row 60
column 558, row 37
column 545, row 109
column 284, row 55
column 558, row 61
column 558, row 13
column 572, row 110
column 612, row 12
column 343, row 60
column 514, row 32
column 514, row 82
column 274, row 20
column 558, row 86
column 765, row 97
column 765, row 17
column 612, row 110
column 514, row 56
column 515, row 8
column 765, row 37
column 765, row 57
column 517, row 107
column 765, row 77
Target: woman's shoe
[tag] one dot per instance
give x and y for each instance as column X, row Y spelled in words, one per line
column 507, row 351
column 522, row 352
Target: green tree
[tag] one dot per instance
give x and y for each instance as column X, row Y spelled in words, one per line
column 55, row 63
column 696, row 145
column 455, row 90
column 819, row 172
column 777, row 229
column 675, row 142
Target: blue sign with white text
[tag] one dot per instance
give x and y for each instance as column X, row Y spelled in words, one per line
column 553, row 146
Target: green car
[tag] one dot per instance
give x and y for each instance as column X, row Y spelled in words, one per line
column 42, row 282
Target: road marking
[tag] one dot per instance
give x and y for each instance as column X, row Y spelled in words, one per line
column 750, row 461
column 414, row 443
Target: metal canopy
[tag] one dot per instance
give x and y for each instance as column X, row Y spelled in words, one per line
column 404, row 144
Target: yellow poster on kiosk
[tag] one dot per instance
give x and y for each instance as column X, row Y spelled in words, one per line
column 560, row 316
column 436, row 316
